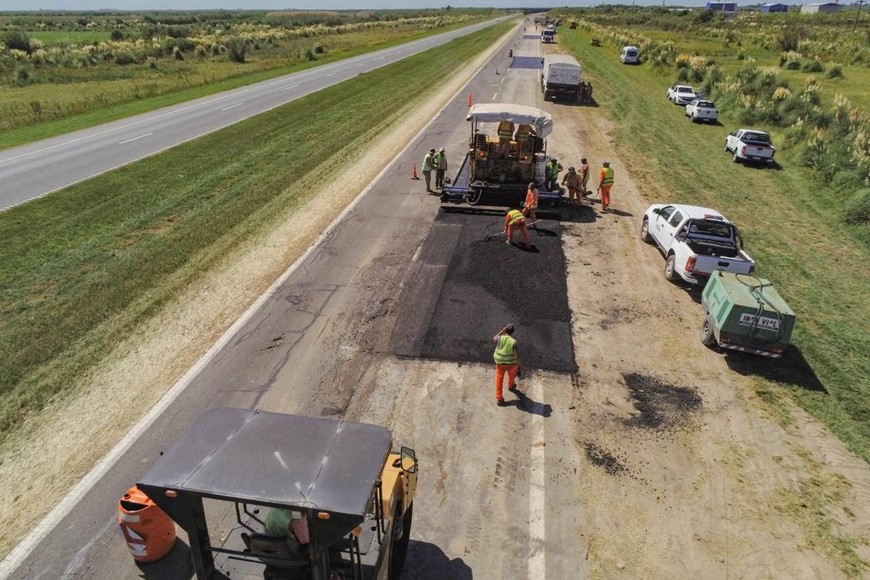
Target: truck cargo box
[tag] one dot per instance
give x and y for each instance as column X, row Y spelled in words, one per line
column 746, row 313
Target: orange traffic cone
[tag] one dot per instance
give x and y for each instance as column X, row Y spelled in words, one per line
column 414, row 174
column 469, row 99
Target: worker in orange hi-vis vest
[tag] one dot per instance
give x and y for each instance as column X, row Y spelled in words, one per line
column 531, row 204
column 604, row 184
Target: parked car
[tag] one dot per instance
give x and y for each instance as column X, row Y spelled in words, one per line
column 699, row 110
column 750, row 145
column 695, row 241
column 682, row 94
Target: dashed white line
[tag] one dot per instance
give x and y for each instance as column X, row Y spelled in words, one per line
column 232, row 107
column 290, row 87
column 136, row 138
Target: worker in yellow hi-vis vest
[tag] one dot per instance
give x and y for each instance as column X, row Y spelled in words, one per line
column 507, row 360
column 513, row 220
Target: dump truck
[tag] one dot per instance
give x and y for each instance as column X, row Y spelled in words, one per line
column 745, row 313
column 560, row 78
column 340, row 480
column 507, row 150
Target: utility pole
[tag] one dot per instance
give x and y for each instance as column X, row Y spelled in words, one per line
column 855, row 25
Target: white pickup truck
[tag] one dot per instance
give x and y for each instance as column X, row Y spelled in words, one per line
column 699, row 110
column 695, row 241
column 750, row 145
column 682, row 94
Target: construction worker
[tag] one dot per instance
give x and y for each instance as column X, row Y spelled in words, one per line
column 574, row 183
column 507, row 360
column 552, row 172
column 584, row 176
column 514, row 219
column 604, row 184
column 440, row 163
column 531, row 203
column 427, row 166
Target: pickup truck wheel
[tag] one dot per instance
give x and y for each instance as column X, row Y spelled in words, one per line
column 644, row 232
column 736, row 157
column 726, row 147
column 671, row 269
column 707, row 336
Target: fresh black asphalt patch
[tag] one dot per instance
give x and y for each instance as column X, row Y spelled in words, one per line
column 485, row 285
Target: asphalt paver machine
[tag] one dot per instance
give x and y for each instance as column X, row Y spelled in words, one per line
column 341, row 478
column 507, row 151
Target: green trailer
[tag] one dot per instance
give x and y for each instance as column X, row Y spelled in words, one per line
column 745, row 313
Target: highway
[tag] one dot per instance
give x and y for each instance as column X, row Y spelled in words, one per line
column 386, row 320
column 31, row 171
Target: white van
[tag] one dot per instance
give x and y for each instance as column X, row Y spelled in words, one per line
column 628, row 55
column 548, row 35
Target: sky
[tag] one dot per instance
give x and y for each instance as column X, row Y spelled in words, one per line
column 138, row 5
column 77, row 5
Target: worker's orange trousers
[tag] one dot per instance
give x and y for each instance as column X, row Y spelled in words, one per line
column 500, row 370
column 605, row 196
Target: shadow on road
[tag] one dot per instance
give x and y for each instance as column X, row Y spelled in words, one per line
column 524, row 403
column 791, row 370
column 428, row 562
column 176, row 565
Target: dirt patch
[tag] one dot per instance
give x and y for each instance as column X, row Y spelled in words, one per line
column 660, row 405
column 604, row 459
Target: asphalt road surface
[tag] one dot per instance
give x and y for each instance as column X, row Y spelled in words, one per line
column 389, row 320
column 31, row 171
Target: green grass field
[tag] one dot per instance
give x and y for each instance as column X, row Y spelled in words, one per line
column 108, row 252
column 793, row 229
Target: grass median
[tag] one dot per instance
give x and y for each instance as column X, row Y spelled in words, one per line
column 82, row 268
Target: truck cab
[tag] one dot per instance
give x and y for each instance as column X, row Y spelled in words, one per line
column 548, row 36
column 354, row 494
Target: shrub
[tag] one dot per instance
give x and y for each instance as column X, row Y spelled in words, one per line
column 835, row 72
column 124, row 58
column 17, row 40
column 857, row 207
column 814, row 66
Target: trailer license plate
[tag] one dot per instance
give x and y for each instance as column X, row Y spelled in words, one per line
column 764, row 322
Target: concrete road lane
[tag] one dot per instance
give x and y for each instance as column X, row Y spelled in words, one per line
column 333, row 339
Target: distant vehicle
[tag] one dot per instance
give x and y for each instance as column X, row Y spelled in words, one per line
column 750, row 145
column 629, row 55
column 560, row 77
column 699, row 110
column 682, row 94
column 548, row 36
column 695, row 241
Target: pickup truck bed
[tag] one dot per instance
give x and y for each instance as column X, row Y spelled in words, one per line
column 695, row 241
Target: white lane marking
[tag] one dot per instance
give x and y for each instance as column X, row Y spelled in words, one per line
column 232, row 107
column 331, row 75
column 135, row 138
column 537, row 498
column 290, row 87
column 62, row 508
